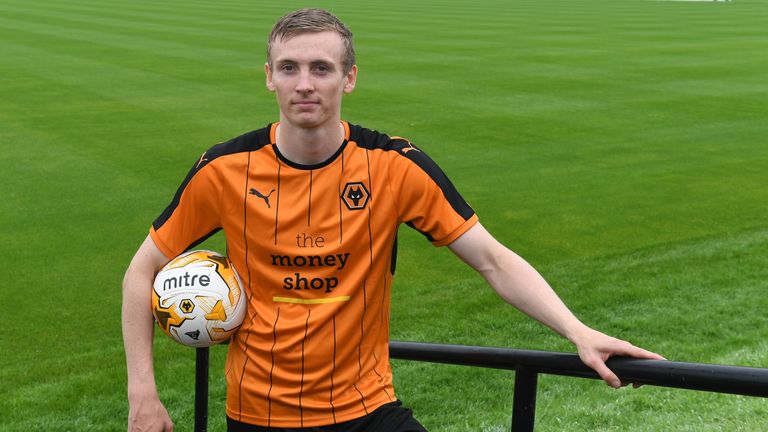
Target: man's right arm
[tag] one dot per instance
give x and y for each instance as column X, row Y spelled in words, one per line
column 146, row 412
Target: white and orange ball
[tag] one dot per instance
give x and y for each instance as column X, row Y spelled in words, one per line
column 198, row 299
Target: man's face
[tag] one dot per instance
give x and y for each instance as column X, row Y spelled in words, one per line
column 308, row 79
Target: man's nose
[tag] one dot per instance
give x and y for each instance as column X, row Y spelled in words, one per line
column 305, row 82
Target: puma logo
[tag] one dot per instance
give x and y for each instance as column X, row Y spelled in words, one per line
column 409, row 148
column 262, row 196
column 202, row 159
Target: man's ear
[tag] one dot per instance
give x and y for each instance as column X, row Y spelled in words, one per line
column 268, row 74
column 351, row 79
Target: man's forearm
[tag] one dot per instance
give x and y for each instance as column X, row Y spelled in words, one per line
column 137, row 318
column 518, row 283
column 521, row 285
column 138, row 331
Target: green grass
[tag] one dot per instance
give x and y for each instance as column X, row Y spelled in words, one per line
column 618, row 145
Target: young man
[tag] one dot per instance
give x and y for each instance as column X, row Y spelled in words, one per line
column 310, row 207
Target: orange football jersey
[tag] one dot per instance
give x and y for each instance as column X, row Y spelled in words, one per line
column 316, row 248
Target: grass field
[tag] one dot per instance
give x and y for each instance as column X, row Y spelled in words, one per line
column 620, row 146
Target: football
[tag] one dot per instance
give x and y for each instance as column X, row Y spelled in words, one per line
column 198, row 299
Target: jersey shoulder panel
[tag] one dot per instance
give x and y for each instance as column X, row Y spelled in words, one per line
column 247, row 142
column 414, row 177
column 374, row 140
column 404, row 152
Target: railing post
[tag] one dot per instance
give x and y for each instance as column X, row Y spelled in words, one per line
column 524, row 402
column 201, row 389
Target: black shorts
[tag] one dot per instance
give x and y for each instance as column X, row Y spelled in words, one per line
column 391, row 417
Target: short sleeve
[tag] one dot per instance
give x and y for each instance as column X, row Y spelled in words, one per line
column 426, row 199
column 192, row 216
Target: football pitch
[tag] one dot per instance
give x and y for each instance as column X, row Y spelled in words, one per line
column 620, row 146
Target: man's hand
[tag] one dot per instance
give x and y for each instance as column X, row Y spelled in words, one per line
column 147, row 414
column 596, row 348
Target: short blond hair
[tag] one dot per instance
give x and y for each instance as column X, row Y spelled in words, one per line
column 312, row 21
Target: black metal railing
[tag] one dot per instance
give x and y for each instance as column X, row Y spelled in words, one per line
column 529, row 364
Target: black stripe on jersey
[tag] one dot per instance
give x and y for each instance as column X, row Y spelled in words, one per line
column 333, row 409
column 374, row 140
column 202, row 239
column 309, row 206
column 240, row 388
column 362, row 398
column 272, row 369
column 393, row 257
column 245, row 363
column 301, row 389
column 426, row 234
column 438, row 176
column 245, row 224
column 250, row 141
column 248, row 268
column 341, row 181
column 370, row 183
column 382, row 325
column 370, row 270
column 360, row 350
column 370, row 240
column 242, row 373
column 368, row 138
column 277, row 205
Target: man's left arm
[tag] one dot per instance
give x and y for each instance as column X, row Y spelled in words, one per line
column 518, row 283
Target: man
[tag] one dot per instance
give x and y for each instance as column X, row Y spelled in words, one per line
column 310, row 207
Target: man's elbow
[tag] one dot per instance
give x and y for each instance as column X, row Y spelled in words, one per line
column 492, row 262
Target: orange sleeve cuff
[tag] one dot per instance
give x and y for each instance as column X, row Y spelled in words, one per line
column 160, row 244
column 455, row 234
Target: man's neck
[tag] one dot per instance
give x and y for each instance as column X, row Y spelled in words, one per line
column 309, row 146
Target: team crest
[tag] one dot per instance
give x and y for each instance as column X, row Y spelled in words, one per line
column 355, row 195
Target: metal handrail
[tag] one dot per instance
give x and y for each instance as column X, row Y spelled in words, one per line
column 528, row 364
column 695, row 376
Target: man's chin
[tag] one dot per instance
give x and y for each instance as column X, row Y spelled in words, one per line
column 305, row 122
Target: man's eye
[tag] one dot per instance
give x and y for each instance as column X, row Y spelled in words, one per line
column 287, row 68
column 322, row 69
